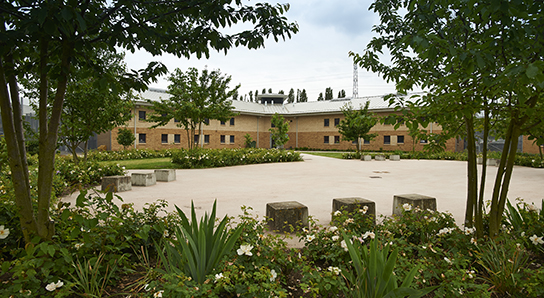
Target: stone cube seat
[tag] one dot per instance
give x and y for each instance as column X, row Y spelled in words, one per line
column 284, row 215
column 379, row 157
column 165, row 175
column 116, row 183
column 366, row 157
column 416, row 200
column 394, row 157
column 144, row 179
column 354, row 204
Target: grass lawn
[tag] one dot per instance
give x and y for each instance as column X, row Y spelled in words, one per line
column 326, row 154
column 143, row 164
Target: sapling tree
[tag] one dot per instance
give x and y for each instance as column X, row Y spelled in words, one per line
column 125, row 137
column 194, row 97
column 357, row 124
column 279, row 130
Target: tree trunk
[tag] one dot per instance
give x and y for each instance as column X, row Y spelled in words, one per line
column 472, row 172
column 85, row 150
column 13, row 128
column 480, row 207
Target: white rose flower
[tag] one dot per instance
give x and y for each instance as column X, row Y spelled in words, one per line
column 245, row 249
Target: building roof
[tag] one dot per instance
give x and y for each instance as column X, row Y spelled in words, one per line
column 334, row 106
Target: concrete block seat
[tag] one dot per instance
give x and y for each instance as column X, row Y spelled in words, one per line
column 379, row 157
column 416, row 200
column 116, row 183
column 284, row 215
column 355, row 204
column 394, row 157
column 366, row 157
column 144, row 179
column 165, row 175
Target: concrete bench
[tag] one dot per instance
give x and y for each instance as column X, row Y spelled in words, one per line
column 416, row 200
column 284, row 215
column 166, row 175
column 366, row 157
column 379, row 157
column 354, row 204
column 394, row 157
column 116, row 183
column 143, row 179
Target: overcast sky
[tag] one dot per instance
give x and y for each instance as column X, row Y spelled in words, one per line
column 313, row 59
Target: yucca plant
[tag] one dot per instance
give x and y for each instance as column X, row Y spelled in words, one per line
column 373, row 275
column 198, row 247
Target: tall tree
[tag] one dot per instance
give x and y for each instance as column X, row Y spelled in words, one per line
column 50, row 38
column 303, row 96
column 342, row 93
column 264, row 91
column 279, row 130
column 357, row 124
column 291, row 96
column 251, row 96
column 235, row 96
column 475, row 58
column 125, row 137
column 320, row 97
column 328, row 93
column 269, row 90
column 194, row 98
column 298, row 95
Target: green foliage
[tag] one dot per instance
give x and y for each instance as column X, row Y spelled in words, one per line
column 526, row 221
column 194, row 98
column 89, row 278
column 357, row 124
column 207, row 158
column 125, row 137
column 279, row 130
column 128, row 154
column 198, row 247
column 249, row 143
column 374, row 276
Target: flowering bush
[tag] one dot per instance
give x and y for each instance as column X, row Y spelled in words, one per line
column 95, row 155
column 208, row 158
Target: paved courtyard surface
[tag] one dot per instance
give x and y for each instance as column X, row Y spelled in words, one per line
column 318, row 180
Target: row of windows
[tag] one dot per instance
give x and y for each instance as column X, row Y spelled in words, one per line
column 142, row 116
column 142, row 139
column 386, row 140
column 326, row 122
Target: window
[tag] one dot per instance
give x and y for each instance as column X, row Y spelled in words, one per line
column 206, row 139
column 423, row 141
column 164, row 115
column 337, row 139
column 386, row 140
column 336, row 121
column 272, row 125
column 231, row 121
column 400, row 139
column 177, row 139
column 164, row 138
column 141, row 138
column 366, row 141
column 326, row 139
column 231, row 140
column 176, row 120
column 222, row 139
column 197, row 137
column 354, row 142
column 222, row 122
column 326, row 122
column 141, row 115
column 206, row 121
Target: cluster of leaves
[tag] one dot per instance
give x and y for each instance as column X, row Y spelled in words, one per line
column 208, row 158
column 98, row 234
column 128, row 154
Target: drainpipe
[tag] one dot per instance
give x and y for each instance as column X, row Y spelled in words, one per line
column 201, row 137
column 258, row 119
column 296, row 138
column 135, row 134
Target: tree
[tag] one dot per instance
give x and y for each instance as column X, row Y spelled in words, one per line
column 264, row 91
column 328, row 93
column 235, row 96
column 269, row 91
column 279, row 130
column 281, row 92
column 481, row 61
column 320, row 97
column 251, row 96
column 291, row 96
column 194, row 99
column 125, row 137
column 342, row 93
column 298, row 95
column 357, row 124
column 51, row 38
column 303, row 96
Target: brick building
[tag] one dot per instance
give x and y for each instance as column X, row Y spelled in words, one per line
column 312, row 125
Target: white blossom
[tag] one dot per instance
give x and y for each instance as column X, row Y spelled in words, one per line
column 53, row 286
column 78, row 245
column 335, row 270
column 218, row 276
column 309, row 238
column 536, row 240
column 364, row 209
column 245, row 249
column 447, row 260
column 335, row 238
column 4, row 233
column 407, row 207
column 344, row 245
column 158, row 294
column 337, row 213
column 274, row 275
column 369, row 234
column 333, row 229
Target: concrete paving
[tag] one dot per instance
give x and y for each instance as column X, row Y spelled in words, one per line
column 316, row 181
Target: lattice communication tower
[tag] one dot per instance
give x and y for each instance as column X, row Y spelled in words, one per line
column 355, row 81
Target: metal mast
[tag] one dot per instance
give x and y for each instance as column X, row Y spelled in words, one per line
column 355, row 81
